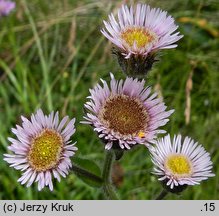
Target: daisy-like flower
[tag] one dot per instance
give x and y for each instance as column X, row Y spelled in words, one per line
column 6, row 7
column 138, row 34
column 125, row 114
column 42, row 148
column 179, row 163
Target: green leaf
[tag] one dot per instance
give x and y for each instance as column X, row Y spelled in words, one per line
column 88, row 171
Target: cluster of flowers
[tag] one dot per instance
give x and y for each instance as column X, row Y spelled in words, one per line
column 124, row 113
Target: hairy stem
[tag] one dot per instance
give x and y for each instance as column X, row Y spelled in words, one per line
column 162, row 194
column 106, row 175
column 110, row 192
column 108, row 166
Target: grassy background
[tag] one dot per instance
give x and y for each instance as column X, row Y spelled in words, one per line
column 51, row 53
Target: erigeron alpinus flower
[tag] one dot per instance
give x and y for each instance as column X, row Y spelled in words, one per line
column 125, row 113
column 180, row 162
column 42, row 148
column 138, row 34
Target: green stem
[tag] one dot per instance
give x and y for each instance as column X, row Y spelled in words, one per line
column 110, row 192
column 162, row 194
column 106, row 175
column 85, row 173
column 108, row 166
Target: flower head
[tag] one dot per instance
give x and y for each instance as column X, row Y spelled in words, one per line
column 125, row 114
column 6, row 7
column 138, row 34
column 179, row 163
column 42, row 148
column 142, row 30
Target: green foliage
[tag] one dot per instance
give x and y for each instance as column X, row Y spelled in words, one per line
column 91, row 167
column 51, row 54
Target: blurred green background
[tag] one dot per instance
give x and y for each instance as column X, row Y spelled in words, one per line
column 52, row 52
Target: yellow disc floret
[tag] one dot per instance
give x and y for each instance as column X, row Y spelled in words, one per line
column 138, row 36
column 179, row 165
column 45, row 151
